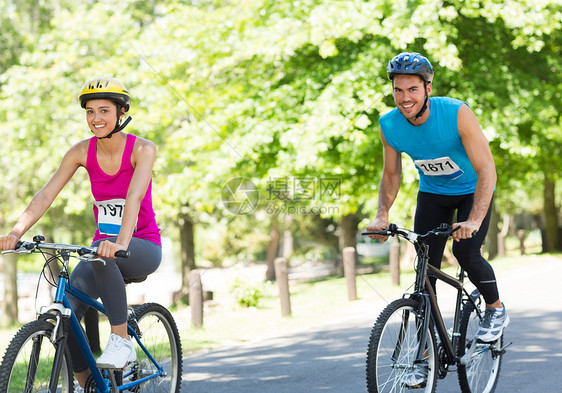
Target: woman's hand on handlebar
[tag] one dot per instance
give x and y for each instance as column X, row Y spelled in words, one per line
column 466, row 231
column 107, row 249
column 8, row 242
column 376, row 226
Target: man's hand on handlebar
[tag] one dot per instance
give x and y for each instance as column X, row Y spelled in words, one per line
column 466, row 231
column 376, row 226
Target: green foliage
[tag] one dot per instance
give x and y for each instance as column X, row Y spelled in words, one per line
column 266, row 90
column 247, row 294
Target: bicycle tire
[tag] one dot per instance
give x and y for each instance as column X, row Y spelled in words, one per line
column 161, row 337
column 384, row 375
column 17, row 362
column 481, row 373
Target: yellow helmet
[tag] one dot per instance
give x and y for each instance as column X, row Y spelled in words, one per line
column 105, row 88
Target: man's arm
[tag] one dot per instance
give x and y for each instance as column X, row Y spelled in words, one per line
column 388, row 187
column 480, row 156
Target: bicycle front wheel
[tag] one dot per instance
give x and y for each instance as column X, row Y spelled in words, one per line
column 29, row 360
column 481, row 370
column 161, row 339
column 393, row 346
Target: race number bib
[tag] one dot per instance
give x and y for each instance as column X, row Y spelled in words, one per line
column 110, row 216
column 444, row 167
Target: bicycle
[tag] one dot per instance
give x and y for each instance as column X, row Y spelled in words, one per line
column 38, row 359
column 403, row 337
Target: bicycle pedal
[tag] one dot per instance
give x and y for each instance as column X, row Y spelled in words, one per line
column 502, row 350
column 113, row 369
column 419, row 386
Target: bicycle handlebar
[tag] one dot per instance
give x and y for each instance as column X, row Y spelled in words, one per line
column 85, row 253
column 444, row 230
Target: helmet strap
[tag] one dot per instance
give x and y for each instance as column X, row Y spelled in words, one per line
column 118, row 127
column 424, row 107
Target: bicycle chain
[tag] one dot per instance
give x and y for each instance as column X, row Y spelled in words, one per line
column 443, row 366
column 90, row 385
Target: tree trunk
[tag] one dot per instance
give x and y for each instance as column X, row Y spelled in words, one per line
column 272, row 248
column 550, row 215
column 9, row 302
column 493, row 231
column 347, row 235
column 287, row 240
column 187, row 254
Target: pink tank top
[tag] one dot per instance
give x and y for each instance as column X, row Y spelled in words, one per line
column 110, row 192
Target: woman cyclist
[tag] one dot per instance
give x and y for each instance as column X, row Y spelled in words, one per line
column 119, row 166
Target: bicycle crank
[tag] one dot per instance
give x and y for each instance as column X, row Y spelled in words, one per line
column 501, row 351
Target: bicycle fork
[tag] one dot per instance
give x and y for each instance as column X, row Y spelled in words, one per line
column 61, row 316
column 422, row 334
column 58, row 338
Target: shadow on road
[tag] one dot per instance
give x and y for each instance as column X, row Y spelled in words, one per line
column 332, row 359
column 329, row 360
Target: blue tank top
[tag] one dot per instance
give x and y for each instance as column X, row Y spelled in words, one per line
column 435, row 147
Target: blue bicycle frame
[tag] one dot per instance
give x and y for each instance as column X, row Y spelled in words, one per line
column 64, row 288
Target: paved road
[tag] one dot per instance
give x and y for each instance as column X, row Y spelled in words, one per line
column 331, row 357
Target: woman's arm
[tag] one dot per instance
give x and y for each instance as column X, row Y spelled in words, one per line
column 72, row 160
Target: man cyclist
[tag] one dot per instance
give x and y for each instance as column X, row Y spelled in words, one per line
column 457, row 174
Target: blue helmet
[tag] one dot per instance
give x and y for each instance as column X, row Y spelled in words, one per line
column 410, row 63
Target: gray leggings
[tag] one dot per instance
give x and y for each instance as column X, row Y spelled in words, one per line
column 107, row 282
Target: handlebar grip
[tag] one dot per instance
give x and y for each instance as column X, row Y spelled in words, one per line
column 122, row 254
column 18, row 245
column 384, row 232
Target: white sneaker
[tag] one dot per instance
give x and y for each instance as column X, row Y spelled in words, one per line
column 492, row 324
column 118, row 353
column 78, row 388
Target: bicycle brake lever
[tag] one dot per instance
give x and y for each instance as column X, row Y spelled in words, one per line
column 92, row 258
column 446, row 232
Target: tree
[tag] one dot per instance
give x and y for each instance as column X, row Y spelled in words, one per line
column 39, row 111
column 272, row 91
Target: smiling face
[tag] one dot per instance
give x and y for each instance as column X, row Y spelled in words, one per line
column 101, row 116
column 409, row 95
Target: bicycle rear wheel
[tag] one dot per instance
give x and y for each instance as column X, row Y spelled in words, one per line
column 482, row 369
column 28, row 361
column 393, row 347
column 161, row 338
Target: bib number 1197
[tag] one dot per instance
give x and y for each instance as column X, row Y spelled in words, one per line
column 110, row 216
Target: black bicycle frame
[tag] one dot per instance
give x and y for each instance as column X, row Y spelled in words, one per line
column 428, row 304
